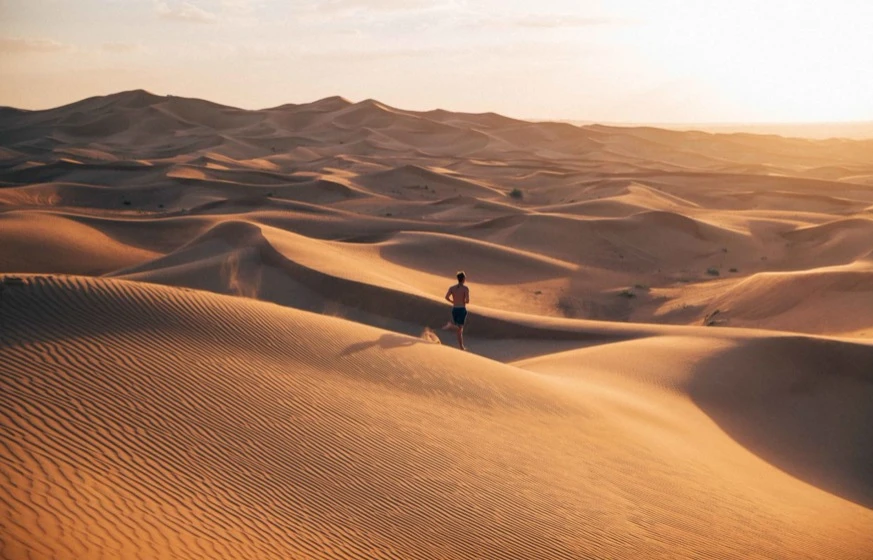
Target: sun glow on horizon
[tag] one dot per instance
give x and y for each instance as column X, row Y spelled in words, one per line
column 769, row 61
column 679, row 61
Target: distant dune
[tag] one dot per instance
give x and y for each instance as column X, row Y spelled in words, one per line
column 851, row 130
column 219, row 336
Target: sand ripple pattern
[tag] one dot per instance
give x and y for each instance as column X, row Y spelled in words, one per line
column 141, row 421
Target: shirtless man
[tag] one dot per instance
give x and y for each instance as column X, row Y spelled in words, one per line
column 459, row 296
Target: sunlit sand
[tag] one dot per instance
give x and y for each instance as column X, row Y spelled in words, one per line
column 220, row 336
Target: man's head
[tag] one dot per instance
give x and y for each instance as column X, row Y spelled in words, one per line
column 461, row 277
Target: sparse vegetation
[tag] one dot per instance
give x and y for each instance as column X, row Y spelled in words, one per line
column 734, row 270
column 126, row 203
column 517, row 194
column 712, row 271
column 627, row 293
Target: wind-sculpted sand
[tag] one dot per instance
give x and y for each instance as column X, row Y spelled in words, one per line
column 297, row 402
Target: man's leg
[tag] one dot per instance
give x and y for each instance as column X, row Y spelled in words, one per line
column 452, row 324
column 461, row 338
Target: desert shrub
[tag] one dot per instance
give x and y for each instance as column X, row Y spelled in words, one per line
column 516, row 193
column 712, row 271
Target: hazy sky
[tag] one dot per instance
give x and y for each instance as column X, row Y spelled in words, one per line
column 600, row 60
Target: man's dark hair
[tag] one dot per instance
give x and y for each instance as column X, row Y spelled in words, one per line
column 461, row 276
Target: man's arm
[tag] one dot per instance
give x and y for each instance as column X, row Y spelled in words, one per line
column 467, row 295
column 448, row 299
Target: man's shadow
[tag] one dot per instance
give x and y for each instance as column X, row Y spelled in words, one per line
column 386, row 341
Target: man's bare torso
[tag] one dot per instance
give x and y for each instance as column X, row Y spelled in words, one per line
column 459, row 294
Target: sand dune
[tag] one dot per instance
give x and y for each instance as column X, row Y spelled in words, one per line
column 149, row 421
column 36, row 242
column 754, row 388
column 218, row 336
column 833, row 300
column 408, row 181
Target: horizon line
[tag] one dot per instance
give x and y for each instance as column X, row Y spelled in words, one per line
column 568, row 120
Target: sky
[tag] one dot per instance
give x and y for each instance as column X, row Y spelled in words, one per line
column 641, row 61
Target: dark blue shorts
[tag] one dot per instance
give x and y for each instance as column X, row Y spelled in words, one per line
column 459, row 315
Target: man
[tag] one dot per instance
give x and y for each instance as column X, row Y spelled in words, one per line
column 459, row 296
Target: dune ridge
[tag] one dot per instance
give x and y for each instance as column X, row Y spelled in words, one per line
column 269, row 431
column 219, row 336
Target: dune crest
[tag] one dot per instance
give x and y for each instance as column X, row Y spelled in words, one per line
column 220, row 336
column 153, row 421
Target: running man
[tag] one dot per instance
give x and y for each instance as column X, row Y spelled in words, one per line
column 459, row 296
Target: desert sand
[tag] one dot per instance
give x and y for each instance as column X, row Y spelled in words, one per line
column 219, row 336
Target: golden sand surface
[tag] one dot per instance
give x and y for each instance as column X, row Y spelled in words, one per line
column 219, row 336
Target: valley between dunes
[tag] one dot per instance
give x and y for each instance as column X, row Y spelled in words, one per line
column 219, row 336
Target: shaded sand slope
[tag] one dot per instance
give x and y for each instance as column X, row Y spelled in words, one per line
column 138, row 122
column 144, row 419
column 149, row 421
column 836, row 299
column 135, row 153
column 241, row 258
column 802, row 404
column 37, row 242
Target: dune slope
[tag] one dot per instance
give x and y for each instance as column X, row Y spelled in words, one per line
column 219, row 336
column 653, row 214
column 151, row 421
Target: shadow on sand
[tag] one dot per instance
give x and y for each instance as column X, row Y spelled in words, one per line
column 802, row 404
column 386, row 341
